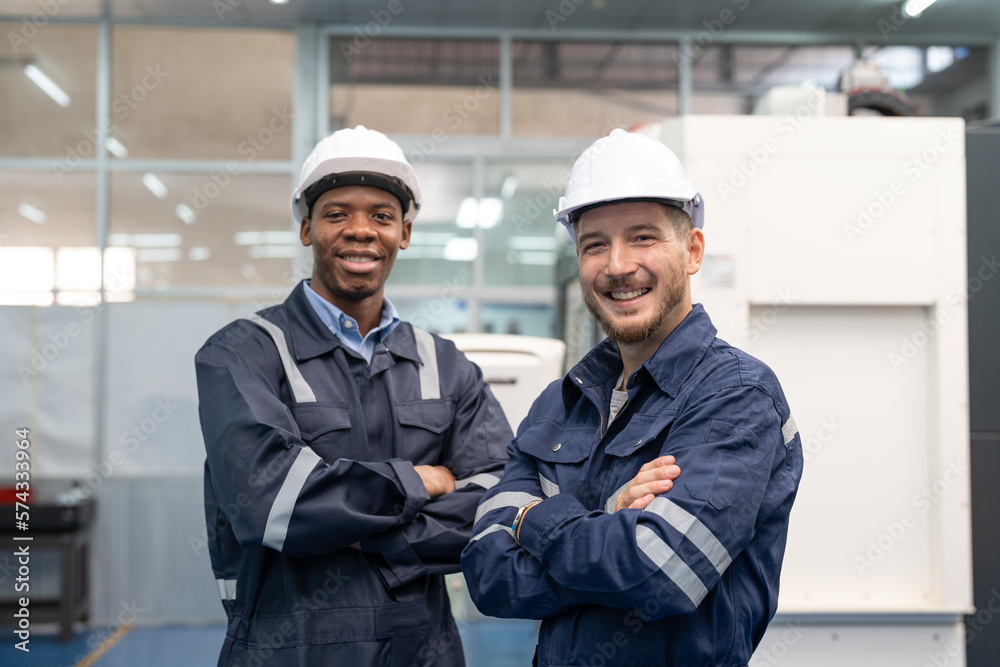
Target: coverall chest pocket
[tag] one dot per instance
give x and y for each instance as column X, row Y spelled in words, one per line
column 326, row 428
column 726, row 454
column 423, row 428
column 560, row 452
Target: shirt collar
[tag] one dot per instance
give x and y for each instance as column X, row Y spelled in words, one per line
column 669, row 366
column 309, row 335
column 341, row 323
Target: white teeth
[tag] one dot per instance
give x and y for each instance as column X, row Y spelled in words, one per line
column 358, row 260
column 625, row 296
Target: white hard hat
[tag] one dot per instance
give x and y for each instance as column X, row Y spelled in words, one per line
column 626, row 165
column 357, row 156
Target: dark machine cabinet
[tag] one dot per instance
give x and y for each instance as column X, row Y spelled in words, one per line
column 64, row 527
column 983, row 167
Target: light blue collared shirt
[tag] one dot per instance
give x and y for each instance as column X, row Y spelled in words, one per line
column 345, row 327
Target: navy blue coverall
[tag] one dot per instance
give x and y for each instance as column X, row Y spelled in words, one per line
column 692, row 580
column 325, row 545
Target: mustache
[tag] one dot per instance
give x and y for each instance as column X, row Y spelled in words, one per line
column 624, row 283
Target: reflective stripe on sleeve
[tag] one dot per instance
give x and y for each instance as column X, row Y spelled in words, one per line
column 789, row 430
column 609, row 506
column 694, row 530
column 430, row 385
column 281, row 510
column 227, row 588
column 506, row 499
column 549, row 488
column 483, row 479
column 300, row 388
column 492, row 529
column 670, row 564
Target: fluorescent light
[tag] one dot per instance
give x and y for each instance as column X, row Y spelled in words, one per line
column 508, row 188
column 490, row 212
column 158, row 255
column 185, row 213
column 548, row 243
column 267, row 238
column 199, row 254
column 461, row 250
column 468, row 212
column 155, row 185
column 914, row 8
column 145, row 240
column 47, row 85
column 279, row 2
column 273, row 251
column 532, row 257
column 31, row 213
column 116, row 147
column 485, row 213
column 430, row 238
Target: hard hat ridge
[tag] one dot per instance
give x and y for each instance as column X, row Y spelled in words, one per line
column 626, row 165
column 356, row 156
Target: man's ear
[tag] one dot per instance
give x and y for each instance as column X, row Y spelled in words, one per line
column 304, row 230
column 696, row 250
column 404, row 241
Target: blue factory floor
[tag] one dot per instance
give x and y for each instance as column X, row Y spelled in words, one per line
column 489, row 643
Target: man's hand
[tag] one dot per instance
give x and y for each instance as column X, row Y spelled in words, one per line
column 438, row 480
column 654, row 478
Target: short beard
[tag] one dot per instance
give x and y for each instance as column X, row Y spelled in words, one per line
column 638, row 332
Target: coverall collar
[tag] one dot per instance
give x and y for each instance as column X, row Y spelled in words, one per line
column 309, row 337
column 669, row 366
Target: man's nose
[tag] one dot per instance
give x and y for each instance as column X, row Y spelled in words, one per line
column 360, row 227
column 621, row 260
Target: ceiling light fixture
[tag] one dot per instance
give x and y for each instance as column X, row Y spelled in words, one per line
column 116, row 147
column 914, row 8
column 185, row 213
column 155, row 185
column 485, row 213
column 47, row 85
column 31, row 213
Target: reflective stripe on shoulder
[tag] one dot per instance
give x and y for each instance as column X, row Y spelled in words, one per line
column 227, row 588
column 281, row 509
column 789, row 430
column 549, row 488
column 506, row 499
column 300, row 388
column 694, row 530
column 430, row 384
column 483, row 479
column 670, row 564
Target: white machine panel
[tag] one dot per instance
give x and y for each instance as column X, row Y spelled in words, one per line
column 835, row 252
column 517, row 368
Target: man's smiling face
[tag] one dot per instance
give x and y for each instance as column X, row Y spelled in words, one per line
column 355, row 232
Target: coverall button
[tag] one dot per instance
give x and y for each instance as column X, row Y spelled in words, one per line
column 557, row 447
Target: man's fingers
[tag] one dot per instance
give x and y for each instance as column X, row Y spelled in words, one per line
column 642, row 503
column 658, row 462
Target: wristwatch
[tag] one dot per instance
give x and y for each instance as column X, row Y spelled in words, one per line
column 516, row 526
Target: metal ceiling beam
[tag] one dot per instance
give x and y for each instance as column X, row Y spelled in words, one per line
column 732, row 36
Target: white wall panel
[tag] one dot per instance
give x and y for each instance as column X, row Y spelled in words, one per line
column 151, row 401
column 49, row 386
